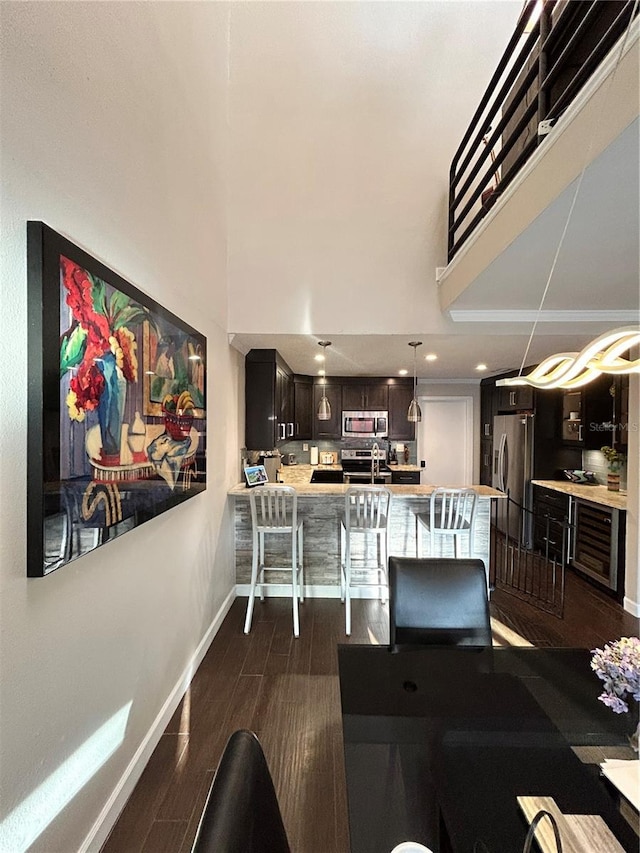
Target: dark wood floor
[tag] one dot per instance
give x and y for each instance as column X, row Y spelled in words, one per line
column 287, row 691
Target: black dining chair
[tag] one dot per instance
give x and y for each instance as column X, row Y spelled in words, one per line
column 241, row 814
column 438, row 601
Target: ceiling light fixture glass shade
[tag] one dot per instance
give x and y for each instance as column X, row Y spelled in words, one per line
column 414, row 414
column 324, row 406
column 574, row 369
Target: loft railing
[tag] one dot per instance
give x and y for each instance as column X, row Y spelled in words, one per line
column 556, row 47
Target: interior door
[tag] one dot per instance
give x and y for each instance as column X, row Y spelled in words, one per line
column 445, row 440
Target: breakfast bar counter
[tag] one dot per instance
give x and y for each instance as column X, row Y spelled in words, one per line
column 321, row 507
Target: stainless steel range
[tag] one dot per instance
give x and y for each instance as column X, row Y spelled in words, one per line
column 365, row 465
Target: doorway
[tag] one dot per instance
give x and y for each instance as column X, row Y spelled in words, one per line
column 445, row 440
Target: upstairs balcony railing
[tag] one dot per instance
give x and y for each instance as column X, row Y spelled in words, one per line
column 556, row 47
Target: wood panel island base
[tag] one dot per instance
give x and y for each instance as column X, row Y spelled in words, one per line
column 321, row 507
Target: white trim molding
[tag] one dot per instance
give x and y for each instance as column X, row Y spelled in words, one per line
column 461, row 315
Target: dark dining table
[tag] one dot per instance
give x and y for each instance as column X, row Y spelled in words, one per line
column 440, row 741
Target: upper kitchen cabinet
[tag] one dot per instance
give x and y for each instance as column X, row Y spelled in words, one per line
column 592, row 415
column 331, row 429
column 359, row 395
column 269, row 400
column 515, row 399
column 488, row 407
column 303, row 407
column 400, row 395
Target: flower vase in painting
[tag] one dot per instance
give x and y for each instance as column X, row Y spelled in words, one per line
column 99, row 349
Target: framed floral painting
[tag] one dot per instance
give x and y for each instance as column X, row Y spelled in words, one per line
column 117, row 404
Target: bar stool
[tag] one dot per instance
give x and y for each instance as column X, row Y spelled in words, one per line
column 451, row 513
column 366, row 514
column 274, row 509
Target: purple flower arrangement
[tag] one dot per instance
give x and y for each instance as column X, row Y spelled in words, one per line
column 618, row 666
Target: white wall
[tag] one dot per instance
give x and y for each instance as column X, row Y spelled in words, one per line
column 112, row 118
column 340, row 154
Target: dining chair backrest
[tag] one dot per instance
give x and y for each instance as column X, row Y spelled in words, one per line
column 452, row 509
column 241, row 814
column 366, row 507
column 438, row 601
column 274, row 508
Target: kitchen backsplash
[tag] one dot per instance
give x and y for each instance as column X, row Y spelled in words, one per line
column 302, row 456
column 593, row 460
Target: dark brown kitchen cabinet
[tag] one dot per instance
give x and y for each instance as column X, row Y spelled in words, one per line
column 364, row 396
column 405, row 478
column 486, row 457
column 550, row 521
column 514, row 399
column 591, row 415
column 303, row 405
column 400, row 429
column 333, row 427
column 269, row 400
column 488, row 408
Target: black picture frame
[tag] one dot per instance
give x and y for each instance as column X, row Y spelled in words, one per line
column 117, row 407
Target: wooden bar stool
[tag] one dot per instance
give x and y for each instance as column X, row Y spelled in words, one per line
column 274, row 510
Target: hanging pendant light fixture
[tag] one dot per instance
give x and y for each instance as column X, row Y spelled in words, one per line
column 414, row 414
column 573, row 369
column 324, row 406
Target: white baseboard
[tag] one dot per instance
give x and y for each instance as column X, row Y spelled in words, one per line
column 114, row 805
column 278, row 590
column 631, row 606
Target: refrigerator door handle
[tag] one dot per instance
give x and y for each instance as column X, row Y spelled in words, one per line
column 501, row 452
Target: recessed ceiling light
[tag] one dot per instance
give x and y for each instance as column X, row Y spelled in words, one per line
column 403, row 372
column 431, row 357
column 481, row 366
column 319, row 357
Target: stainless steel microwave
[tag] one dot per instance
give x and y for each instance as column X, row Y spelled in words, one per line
column 365, row 424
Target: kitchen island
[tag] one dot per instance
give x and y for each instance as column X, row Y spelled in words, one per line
column 321, row 506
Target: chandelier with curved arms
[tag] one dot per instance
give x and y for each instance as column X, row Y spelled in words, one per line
column 573, row 369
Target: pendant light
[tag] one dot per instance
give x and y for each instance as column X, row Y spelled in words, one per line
column 324, row 406
column 414, row 414
column 573, row 369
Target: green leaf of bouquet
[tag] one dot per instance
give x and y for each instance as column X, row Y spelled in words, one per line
column 72, row 349
column 129, row 316
column 119, row 301
column 98, row 294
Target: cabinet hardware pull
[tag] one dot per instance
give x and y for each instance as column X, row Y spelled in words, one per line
column 289, row 430
column 486, row 429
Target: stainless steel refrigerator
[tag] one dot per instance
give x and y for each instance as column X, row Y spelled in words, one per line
column 512, row 472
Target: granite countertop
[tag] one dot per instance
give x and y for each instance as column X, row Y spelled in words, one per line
column 596, row 494
column 306, row 489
